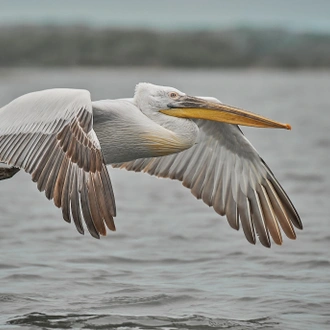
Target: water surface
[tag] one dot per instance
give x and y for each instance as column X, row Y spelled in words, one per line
column 173, row 263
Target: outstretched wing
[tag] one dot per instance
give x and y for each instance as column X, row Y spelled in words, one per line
column 50, row 135
column 226, row 172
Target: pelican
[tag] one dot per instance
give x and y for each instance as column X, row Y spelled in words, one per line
column 65, row 141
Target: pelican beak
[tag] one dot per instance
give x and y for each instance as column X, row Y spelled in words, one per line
column 198, row 108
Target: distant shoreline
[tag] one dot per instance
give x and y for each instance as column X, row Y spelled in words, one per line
column 76, row 46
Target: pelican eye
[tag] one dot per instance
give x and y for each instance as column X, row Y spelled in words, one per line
column 173, row 95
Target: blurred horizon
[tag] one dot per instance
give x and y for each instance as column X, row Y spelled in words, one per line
column 184, row 33
column 295, row 15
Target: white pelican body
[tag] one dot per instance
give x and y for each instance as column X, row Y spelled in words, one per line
column 64, row 140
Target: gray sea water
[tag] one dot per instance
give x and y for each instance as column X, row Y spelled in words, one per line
column 173, row 263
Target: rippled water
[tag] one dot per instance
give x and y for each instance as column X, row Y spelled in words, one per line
column 173, row 263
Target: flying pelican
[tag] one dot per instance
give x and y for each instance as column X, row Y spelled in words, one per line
column 64, row 140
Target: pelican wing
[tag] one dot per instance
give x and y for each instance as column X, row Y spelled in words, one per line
column 50, row 135
column 226, row 172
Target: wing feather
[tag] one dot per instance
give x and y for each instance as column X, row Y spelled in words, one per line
column 258, row 218
column 75, row 204
column 226, row 172
column 65, row 202
column 50, row 135
column 246, row 219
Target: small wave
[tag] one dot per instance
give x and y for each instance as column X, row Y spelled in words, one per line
column 14, row 298
column 326, row 238
column 305, row 177
column 17, row 277
column 177, row 237
column 319, row 263
column 92, row 321
column 323, row 143
column 158, row 299
column 126, row 260
column 7, row 266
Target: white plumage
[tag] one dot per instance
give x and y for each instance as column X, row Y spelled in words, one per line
column 65, row 142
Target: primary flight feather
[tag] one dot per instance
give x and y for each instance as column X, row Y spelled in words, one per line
column 64, row 140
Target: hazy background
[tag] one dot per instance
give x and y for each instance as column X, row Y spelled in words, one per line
column 300, row 15
column 188, row 33
column 173, row 262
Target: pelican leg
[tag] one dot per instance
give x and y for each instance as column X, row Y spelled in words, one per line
column 8, row 172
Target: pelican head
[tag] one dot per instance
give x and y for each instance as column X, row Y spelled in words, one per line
column 172, row 102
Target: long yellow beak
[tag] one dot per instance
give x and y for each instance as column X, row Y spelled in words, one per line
column 196, row 108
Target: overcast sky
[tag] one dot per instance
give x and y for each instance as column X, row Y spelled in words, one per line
column 305, row 15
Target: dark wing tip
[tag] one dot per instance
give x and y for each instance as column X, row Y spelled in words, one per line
column 8, row 172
